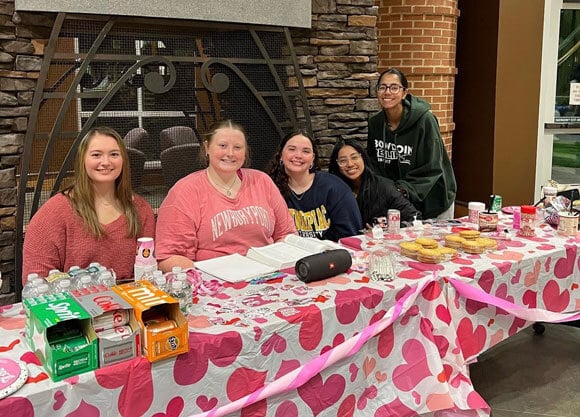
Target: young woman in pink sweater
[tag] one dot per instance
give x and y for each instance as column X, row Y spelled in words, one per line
column 96, row 219
column 220, row 210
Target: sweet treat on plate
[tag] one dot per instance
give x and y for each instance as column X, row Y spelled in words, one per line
column 472, row 246
column 448, row 253
column 469, row 234
column 410, row 249
column 453, row 241
column 426, row 242
column 430, row 256
column 488, row 244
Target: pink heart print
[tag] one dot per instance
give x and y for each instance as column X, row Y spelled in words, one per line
column 287, row 409
column 347, row 407
column 85, row 410
column 319, row 395
column 136, row 394
column 174, row 408
column 415, row 368
column 442, row 313
column 554, row 300
column 368, row 393
column 275, row 343
column 471, row 340
column 565, row 266
column 348, row 302
column 59, row 400
column 311, row 326
column 220, row 349
column 206, row 404
column 394, row 408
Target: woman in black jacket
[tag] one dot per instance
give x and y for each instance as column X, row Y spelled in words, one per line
column 375, row 195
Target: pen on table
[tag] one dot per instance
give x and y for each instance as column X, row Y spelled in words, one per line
column 268, row 277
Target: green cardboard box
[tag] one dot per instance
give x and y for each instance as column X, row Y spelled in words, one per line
column 60, row 314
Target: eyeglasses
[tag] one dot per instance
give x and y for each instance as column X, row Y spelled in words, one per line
column 342, row 162
column 393, row 88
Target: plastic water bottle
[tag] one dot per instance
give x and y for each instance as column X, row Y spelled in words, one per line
column 171, row 275
column 43, row 290
column 161, row 282
column 84, row 283
column 29, row 289
column 106, row 278
column 179, row 293
column 182, row 277
column 63, row 286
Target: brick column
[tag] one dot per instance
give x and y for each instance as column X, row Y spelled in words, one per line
column 419, row 37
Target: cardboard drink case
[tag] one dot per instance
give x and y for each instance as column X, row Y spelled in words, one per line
column 111, row 351
column 149, row 301
column 59, row 332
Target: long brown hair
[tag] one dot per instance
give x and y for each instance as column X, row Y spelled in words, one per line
column 81, row 193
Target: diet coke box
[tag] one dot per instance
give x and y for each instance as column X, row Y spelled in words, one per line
column 114, row 325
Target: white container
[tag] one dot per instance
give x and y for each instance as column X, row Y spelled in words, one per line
column 474, row 207
column 549, row 194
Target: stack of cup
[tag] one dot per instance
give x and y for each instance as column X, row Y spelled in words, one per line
column 549, row 194
column 145, row 262
column 474, row 208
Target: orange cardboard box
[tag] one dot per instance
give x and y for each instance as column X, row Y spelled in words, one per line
column 149, row 301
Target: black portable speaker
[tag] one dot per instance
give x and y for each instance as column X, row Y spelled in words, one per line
column 323, row 265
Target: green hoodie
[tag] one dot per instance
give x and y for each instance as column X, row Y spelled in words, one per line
column 414, row 157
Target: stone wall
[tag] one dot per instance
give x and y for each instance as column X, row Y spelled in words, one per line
column 338, row 61
column 22, row 39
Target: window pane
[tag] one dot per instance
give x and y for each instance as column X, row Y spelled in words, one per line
column 566, row 159
column 568, row 67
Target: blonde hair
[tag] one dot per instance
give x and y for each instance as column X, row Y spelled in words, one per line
column 81, row 193
column 226, row 124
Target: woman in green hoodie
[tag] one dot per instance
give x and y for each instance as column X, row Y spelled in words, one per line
column 405, row 145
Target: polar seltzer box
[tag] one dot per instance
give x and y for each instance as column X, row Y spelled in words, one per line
column 121, row 347
column 164, row 329
column 59, row 333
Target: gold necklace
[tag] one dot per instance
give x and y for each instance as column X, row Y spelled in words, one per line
column 228, row 189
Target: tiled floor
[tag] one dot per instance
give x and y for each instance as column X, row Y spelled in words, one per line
column 530, row 375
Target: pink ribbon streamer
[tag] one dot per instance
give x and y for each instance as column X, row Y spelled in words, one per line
column 470, row 291
column 304, row 373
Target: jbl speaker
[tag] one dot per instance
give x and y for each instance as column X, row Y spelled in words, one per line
column 323, row 265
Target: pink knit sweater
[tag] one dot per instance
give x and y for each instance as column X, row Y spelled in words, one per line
column 56, row 238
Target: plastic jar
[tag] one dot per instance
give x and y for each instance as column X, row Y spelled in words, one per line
column 549, row 194
column 528, row 221
column 474, row 207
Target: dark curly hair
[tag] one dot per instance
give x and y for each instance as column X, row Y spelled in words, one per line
column 276, row 169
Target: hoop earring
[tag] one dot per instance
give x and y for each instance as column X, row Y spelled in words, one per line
column 281, row 163
column 311, row 166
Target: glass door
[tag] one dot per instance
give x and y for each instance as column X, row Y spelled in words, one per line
column 566, row 126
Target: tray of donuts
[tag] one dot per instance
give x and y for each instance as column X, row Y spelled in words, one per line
column 427, row 250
